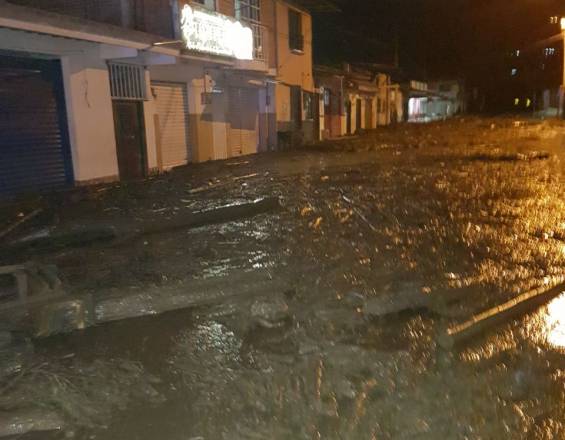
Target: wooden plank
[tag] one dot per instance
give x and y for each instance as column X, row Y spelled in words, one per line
column 519, row 306
column 19, row 222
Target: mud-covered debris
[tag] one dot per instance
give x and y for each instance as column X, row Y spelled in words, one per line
column 14, row 356
column 22, row 218
column 397, row 301
column 493, row 317
column 498, row 156
column 50, row 240
column 23, row 421
column 270, row 312
column 64, row 316
column 353, row 299
column 82, row 394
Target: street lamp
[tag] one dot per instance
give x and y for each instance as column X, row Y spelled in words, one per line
column 563, row 82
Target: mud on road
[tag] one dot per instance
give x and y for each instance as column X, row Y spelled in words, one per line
column 382, row 242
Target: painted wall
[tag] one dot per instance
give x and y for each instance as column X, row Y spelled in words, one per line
column 294, row 68
column 209, row 112
column 87, row 94
column 201, row 133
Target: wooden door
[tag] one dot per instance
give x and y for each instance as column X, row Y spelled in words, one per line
column 130, row 139
column 369, row 113
column 358, row 113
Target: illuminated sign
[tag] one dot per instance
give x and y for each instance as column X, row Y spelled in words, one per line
column 214, row 33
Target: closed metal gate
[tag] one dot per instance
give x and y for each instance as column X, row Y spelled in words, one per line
column 173, row 139
column 34, row 143
column 243, row 136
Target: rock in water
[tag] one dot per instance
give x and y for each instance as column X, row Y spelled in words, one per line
column 396, row 302
column 270, row 313
column 20, row 422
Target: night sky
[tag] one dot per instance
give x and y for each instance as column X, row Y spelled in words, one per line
column 437, row 38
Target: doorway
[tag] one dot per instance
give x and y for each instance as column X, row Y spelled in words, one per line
column 369, row 114
column 296, row 107
column 35, row 153
column 130, row 139
column 348, row 116
column 358, row 113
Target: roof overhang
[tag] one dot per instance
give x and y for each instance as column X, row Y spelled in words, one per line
column 32, row 20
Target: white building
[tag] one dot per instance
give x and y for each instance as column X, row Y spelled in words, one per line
column 128, row 92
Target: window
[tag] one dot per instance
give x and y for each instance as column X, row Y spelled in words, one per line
column 209, row 4
column 308, row 104
column 249, row 11
column 127, row 81
column 295, row 37
column 327, row 97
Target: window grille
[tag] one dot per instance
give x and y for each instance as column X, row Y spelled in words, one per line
column 127, row 81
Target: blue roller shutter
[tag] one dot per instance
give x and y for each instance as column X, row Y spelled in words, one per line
column 34, row 145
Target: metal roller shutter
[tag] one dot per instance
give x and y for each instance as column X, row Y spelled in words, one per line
column 34, row 146
column 244, row 121
column 172, row 108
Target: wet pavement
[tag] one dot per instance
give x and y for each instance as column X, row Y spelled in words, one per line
column 383, row 241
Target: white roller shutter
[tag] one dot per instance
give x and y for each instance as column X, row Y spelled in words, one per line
column 244, row 121
column 171, row 102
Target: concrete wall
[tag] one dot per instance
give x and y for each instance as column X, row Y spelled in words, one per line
column 87, row 94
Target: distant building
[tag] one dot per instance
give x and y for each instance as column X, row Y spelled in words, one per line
column 433, row 100
column 356, row 98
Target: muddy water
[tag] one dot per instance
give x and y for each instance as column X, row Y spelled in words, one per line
column 461, row 214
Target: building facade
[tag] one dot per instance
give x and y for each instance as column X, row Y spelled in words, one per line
column 356, row 98
column 296, row 102
column 118, row 89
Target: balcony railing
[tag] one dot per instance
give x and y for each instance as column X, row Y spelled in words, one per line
column 260, row 48
column 259, row 40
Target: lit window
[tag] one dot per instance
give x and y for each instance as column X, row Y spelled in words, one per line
column 549, row 51
column 517, row 101
column 514, row 72
column 308, row 104
column 327, row 97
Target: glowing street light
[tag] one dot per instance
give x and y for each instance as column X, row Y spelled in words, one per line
column 563, row 82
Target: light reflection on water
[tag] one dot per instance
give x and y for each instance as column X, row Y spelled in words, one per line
column 555, row 322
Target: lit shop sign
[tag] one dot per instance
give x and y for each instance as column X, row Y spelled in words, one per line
column 214, row 33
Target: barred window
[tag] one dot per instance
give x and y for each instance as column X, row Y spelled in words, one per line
column 127, row 81
column 249, row 11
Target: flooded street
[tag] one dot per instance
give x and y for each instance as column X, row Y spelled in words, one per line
column 320, row 319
